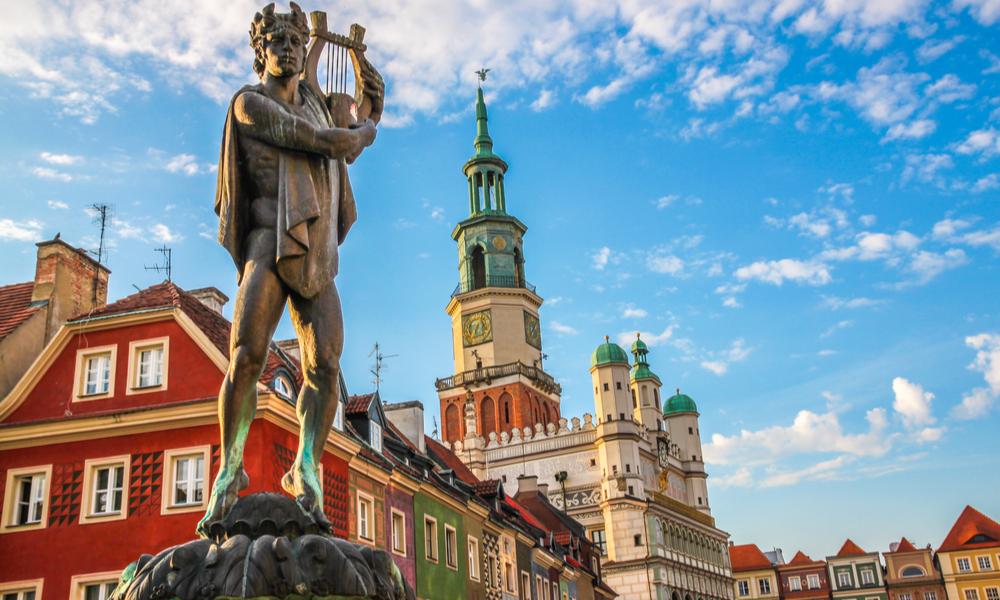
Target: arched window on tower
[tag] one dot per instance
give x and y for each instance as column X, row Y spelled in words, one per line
column 487, row 415
column 505, row 402
column 518, row 268
column 478, row 268
column 452, row 427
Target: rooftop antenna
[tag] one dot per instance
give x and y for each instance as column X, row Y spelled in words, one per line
column 376, row 370
column 167, row 265
column 434, row 432
column 102, row 216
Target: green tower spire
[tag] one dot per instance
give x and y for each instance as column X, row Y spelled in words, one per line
column 485, row 170
column 641, row 369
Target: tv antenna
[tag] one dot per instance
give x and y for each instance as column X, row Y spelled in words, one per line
column 379, row 366
column 167, row 265
column 434, row 433
column 102, row 217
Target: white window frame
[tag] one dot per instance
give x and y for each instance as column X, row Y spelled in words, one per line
column 80, row 375
column 431, row 543
column 525, row 585
column 810, row 578
column 867, row 576
column 11, row 498
column 984, row 562
column 338, row 417
column 397, row 534
column 968, row 564
column 472, row 549
column 167, row 505
column 453, row 546
column 905, row 596
column 555, row 590
column 90, row 468
column 366, row 514
column 78, row 583
column 762, row 583
column 508, row 572
column 740, row 585
column 22, row 586
column 135, row 349
column 840, row 579
column 282, row 387
column 795, row 584
column 995, row 595
column 974, row 595
column 375, row 436
column 930, row 595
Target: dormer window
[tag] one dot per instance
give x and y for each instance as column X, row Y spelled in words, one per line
column 375, row 436
column 95, row 372
column 338, row 417
column 282, row 386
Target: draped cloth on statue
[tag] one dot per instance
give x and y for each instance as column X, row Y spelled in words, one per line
column 315, row 203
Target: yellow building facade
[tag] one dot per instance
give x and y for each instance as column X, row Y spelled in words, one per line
column 970, row 558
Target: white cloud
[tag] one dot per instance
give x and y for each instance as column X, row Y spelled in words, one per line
column 665, row 201
column 844, row 324
column 667, row 264
column 836, row 303
column 947, row 228
column 126, row 230
column 776, row 272
column 987, row 361
column 183, row 163
column 57, row 205
column 60, row 159
column 985, row 11
column 932, row 50
column 718, row 367
column 731, row 302
column 926, row 168
column 822, row 471
column 950, row 89
column 928, row 265
column 562, row 329
column 742, row 477
column 632, row 312
column 737, row 352
column 601, row 258
column 986, row 183
column 875, row 246
column 983, row 142
column 652, row 340
column 912, row 403
column 929, row 434
column 975, row 404
column 161, row 233
column 545, row 99
column 20, row 231
column 47, row 173
column 913, row 130
column 984, row 237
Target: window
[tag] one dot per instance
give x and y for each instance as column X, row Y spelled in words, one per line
column 147, row 367
column 95, row 376
column 150, row 368
column 992, row 593
column 21, row 590
column 911, row 571
column 105, row 481
column 282, row 386
column 600, row 541
column 930, row 595
column 606, row 388
column 99, row 591
column 473, row 552
column 25, row 503
column 795, row 584
column 366, row 529
column 94, row 586
column 744, row 587
column 398, row 532
column 972, row 594
column 905, row 596
column 867, row 577
column 637, row 538
column 430, row 539
column 843, row 579
column 509, row 580
column 450, row 547
column 184, row 490
column 525, row 586
column 375, row 436
column 338, row 417
column 539, row 586
column 984, row 562
column 764, row 585
column 813, row 581
column 618, row 385
column 964, row 566
column 555, row 590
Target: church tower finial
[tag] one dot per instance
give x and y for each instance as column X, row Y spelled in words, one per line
column 485, row 170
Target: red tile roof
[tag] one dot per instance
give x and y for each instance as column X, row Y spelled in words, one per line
column 904, row 546
column 438, row 451
column 15, row 306
column 358, row 404
column 801, row 559
column 747, row 557
column 972, row 524
column 486, row 488
column 850, row 549
column 215, row 326
column 525, row 514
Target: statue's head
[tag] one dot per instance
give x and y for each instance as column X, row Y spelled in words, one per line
column 279, row 41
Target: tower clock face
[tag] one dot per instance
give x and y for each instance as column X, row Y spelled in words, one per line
column 532, row 330
column 477, row 328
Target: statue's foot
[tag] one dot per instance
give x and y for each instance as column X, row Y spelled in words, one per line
column 225, row 492
column 302, row 482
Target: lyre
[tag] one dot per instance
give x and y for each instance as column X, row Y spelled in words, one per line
column 343, row 56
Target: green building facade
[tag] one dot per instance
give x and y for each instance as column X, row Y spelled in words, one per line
column 438, row 576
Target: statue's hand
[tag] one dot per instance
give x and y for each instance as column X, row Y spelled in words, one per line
column 365, row 132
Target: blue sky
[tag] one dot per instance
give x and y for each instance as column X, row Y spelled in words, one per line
column 798, row 203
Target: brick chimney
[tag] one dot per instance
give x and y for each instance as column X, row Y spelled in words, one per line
column 210, row 297
column 408, row 417
column 68, row 282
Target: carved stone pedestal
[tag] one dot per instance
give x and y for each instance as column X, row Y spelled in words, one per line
column 266, row 548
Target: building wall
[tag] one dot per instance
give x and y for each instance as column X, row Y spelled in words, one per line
column 398, row 499
column 916, row 587
column 436, row 581
column 753, row 579
column 785, row 591
column 854, row 566
column 957, row 583
column 19, row 349
column 475, row 590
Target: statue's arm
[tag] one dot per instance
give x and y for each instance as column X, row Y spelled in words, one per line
column 263, row 119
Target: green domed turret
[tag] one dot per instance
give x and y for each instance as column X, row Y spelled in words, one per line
column 608, row 353
column 679, row 403
column 641, row 369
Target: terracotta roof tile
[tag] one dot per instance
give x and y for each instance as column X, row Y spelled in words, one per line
column 15, row 306
column 358, row 404
column 486, row 488
column 801, row 559
column 445, row 456
column 747, row 557
column 972, row 525
column 525, row 514
column 215, row 326
column 904, row 546
column 850, row 549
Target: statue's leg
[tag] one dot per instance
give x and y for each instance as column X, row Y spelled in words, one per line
column 258, row 308
column 320, row 327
